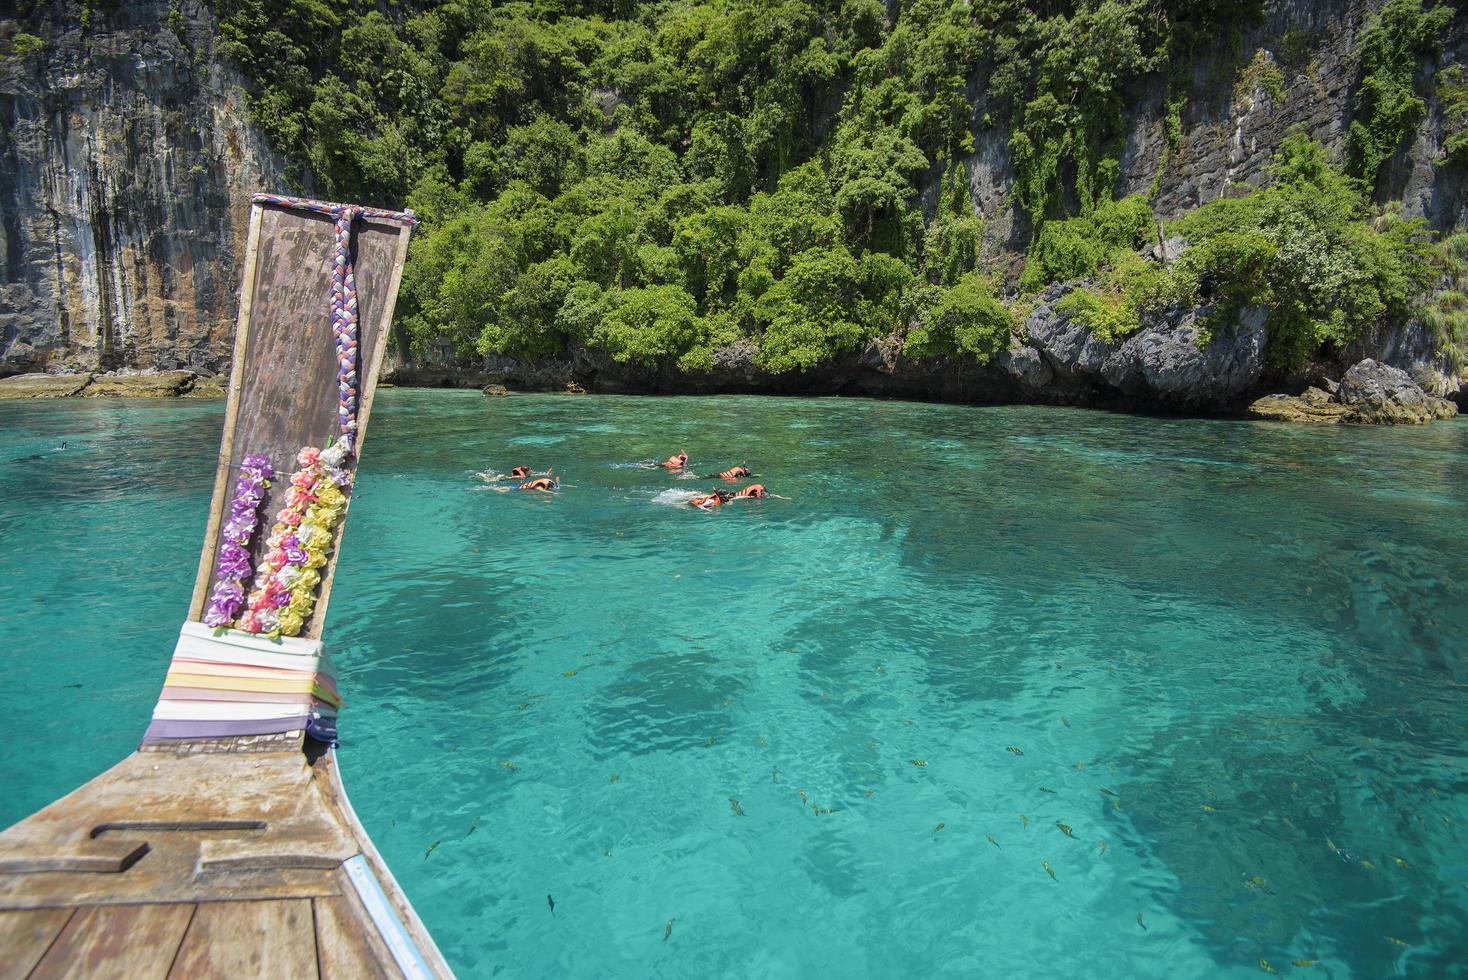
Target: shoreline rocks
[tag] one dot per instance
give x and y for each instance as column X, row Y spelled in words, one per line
column 141, row 384
column 1371, row 393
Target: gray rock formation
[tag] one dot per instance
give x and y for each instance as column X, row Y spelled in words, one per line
column 1371, row 393
column 125, row 174
column 1384, row 395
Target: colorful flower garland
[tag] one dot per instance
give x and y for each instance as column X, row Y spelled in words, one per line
column 282, row 602
column 233, row 566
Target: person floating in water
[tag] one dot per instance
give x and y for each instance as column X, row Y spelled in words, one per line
column 753, row 491
column 516, row 473
column 733, row 473
column 675, row 462
column 546, row 484
column 716, row 499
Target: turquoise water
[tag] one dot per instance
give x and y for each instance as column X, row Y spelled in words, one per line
column 1231, row 651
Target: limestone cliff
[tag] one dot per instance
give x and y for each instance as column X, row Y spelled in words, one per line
column 125, row 171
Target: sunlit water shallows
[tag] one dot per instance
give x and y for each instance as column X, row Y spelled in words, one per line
column 996, row 691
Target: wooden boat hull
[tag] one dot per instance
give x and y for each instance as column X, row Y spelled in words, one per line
column 239, row 856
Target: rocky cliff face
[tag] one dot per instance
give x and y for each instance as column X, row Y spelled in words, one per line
column 129, row 160
column 125, row 174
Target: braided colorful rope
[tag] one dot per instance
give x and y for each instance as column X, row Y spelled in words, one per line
column 344, row 321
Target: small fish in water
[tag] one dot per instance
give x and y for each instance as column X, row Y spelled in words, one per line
column 1140, row 922
column 802, row 796
column 762, row 741
column 734, row 805
column 1367, row 865
column 521, row 707
column 1107, row 792
column 1080, row 767
column 1025, row 821
column 1013, row 750
column 881, row 669
column 1049, row 870
column 1065, row 721
column 1396, row 942
column 1254, row 881
column 991, row 840
column 552, row 903
column 1046, row 789
column 606, row 853
column 1065, row 829
column 920, row 763
column 1303, row 963
column 668, row 930
column 939, row 827
column 472, row 827
column 775, row 775
column 73, row 685
column 430, row 849
column 1116, row 804
column 1104, row 846
column 1286, row 819
column 1264, row 965
column 869, row 793
column 510, row 766
column 613, row 778
column 1398, row 861
column 1206, row 808
column 568, row 673
column 709, row 741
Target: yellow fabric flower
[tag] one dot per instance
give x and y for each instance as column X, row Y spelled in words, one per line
column 291, row 622
column 301, row 602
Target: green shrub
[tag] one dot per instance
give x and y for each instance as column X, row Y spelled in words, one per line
column 24, row 45
column 966, row 320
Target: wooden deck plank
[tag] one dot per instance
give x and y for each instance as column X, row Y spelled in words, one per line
column 117, row 942
column 239, row 940
column 25, row 937
column 348, row 945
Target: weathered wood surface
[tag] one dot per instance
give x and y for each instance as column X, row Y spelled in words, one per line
column 283, row 392
column 249, row 939
column 237, row 846
column 25, row 936
column 116, row 942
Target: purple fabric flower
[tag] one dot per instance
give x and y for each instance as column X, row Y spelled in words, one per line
column 233, row 565
column 296, row 555
column 282, row 599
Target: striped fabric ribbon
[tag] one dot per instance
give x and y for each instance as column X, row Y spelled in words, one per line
column 344, row 319
column 234, row 683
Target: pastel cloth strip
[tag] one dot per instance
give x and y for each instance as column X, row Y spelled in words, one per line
column 235, row 683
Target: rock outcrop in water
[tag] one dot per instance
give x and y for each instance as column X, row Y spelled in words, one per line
column 125, row 172
column 1370, row 393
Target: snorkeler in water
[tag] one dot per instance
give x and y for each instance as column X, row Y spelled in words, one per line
column 733, row 473
column 753, row 491
column 675, row 462
column 549, row 484
column 516, row 473
column 715, row 499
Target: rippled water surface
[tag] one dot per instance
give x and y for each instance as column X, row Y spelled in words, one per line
column 996, row 691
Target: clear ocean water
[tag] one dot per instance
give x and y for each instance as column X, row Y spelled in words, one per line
column 995, row 692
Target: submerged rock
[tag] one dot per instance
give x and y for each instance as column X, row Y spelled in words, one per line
column 43, row 385
column 495, row 391
column 1380, row 394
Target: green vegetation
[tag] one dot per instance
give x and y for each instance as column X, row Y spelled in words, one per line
column 1390, row 51
column 23, row 45
column 659, row 180
column 1452, row 94
column 1310, row 246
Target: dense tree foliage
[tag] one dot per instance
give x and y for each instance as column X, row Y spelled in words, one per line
column 659, row 179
